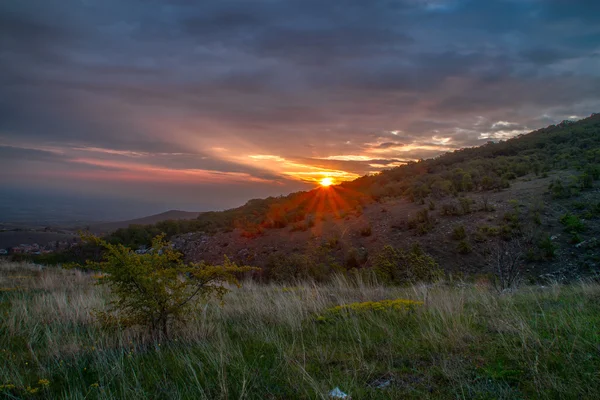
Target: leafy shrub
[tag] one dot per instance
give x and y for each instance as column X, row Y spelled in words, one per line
column 423, row 229
column 298, row 267
column 513, row 218
column 488, row 230
column 251, row 231
column 595, row 210
column 490, row 182
column 399, row 267
column 355, row 258
column 299, row 227
column 485, row 204
column 156, row 290
column 459, row 232
column 586, row 181
column 333, row 242
column 431, row 205
column 464, row 247
column 465, row 204
column 422, row 222
column 572, row 223
column 559, row 190
column 593, row 171
column 366, row 231
column 449, row 209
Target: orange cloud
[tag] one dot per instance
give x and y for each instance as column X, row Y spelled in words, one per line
column 295, row 170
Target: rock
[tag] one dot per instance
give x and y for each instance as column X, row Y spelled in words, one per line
column 382, row 384
column 338, row 394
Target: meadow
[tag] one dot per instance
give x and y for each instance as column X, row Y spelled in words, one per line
column 439, row 341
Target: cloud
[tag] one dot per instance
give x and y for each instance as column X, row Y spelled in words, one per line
column 318, row 86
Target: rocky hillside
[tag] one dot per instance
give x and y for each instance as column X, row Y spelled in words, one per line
column 534, row 196
column 458, row 232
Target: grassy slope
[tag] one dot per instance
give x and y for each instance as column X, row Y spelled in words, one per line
column 266, row 342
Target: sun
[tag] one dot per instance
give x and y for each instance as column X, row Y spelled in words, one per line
column 326, row 182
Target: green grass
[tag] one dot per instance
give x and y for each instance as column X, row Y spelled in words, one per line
column 267, row 342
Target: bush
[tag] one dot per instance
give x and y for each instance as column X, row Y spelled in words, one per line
column 459, row 232
column 572, row 223
column 251, row 231
column 155, row 290
column 465, row 205
column 488, row 230
column 333, row 242
column 485, row 204
column 547, row 247
column 464, row 247
column 399, row 267
column 431, row 205
column 422, row 222
column 299, row 227
column 296, row 267
column 593, row 171
column 449, row 209
column 559, row 190
column 509, row 176
column 586, row 181
column 355, row 258
column 366, row 231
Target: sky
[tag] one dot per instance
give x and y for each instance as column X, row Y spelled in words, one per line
column 202, row 105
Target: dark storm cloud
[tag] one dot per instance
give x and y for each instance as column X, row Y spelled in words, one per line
column 217, row 81
column 546, row 55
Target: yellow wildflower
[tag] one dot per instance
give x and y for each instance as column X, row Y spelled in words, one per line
column 44, row 382
column 31, row 390
column 383, row 305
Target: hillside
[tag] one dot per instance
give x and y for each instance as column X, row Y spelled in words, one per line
column 171, row 215
column 536, row 194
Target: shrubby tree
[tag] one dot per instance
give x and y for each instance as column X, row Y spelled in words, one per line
column 505, row 260
column 157, row 290
column 399, row 267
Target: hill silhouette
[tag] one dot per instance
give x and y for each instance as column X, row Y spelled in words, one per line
column 171, row 215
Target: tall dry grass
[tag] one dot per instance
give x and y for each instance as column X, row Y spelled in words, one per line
column 266, row 342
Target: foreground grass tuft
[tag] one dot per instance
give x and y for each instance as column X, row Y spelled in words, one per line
column 265, row 342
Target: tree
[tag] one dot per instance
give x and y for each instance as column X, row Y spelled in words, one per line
column 157, row 289
column 505, row 259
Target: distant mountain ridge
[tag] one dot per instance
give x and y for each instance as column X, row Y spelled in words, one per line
column 108, row 227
